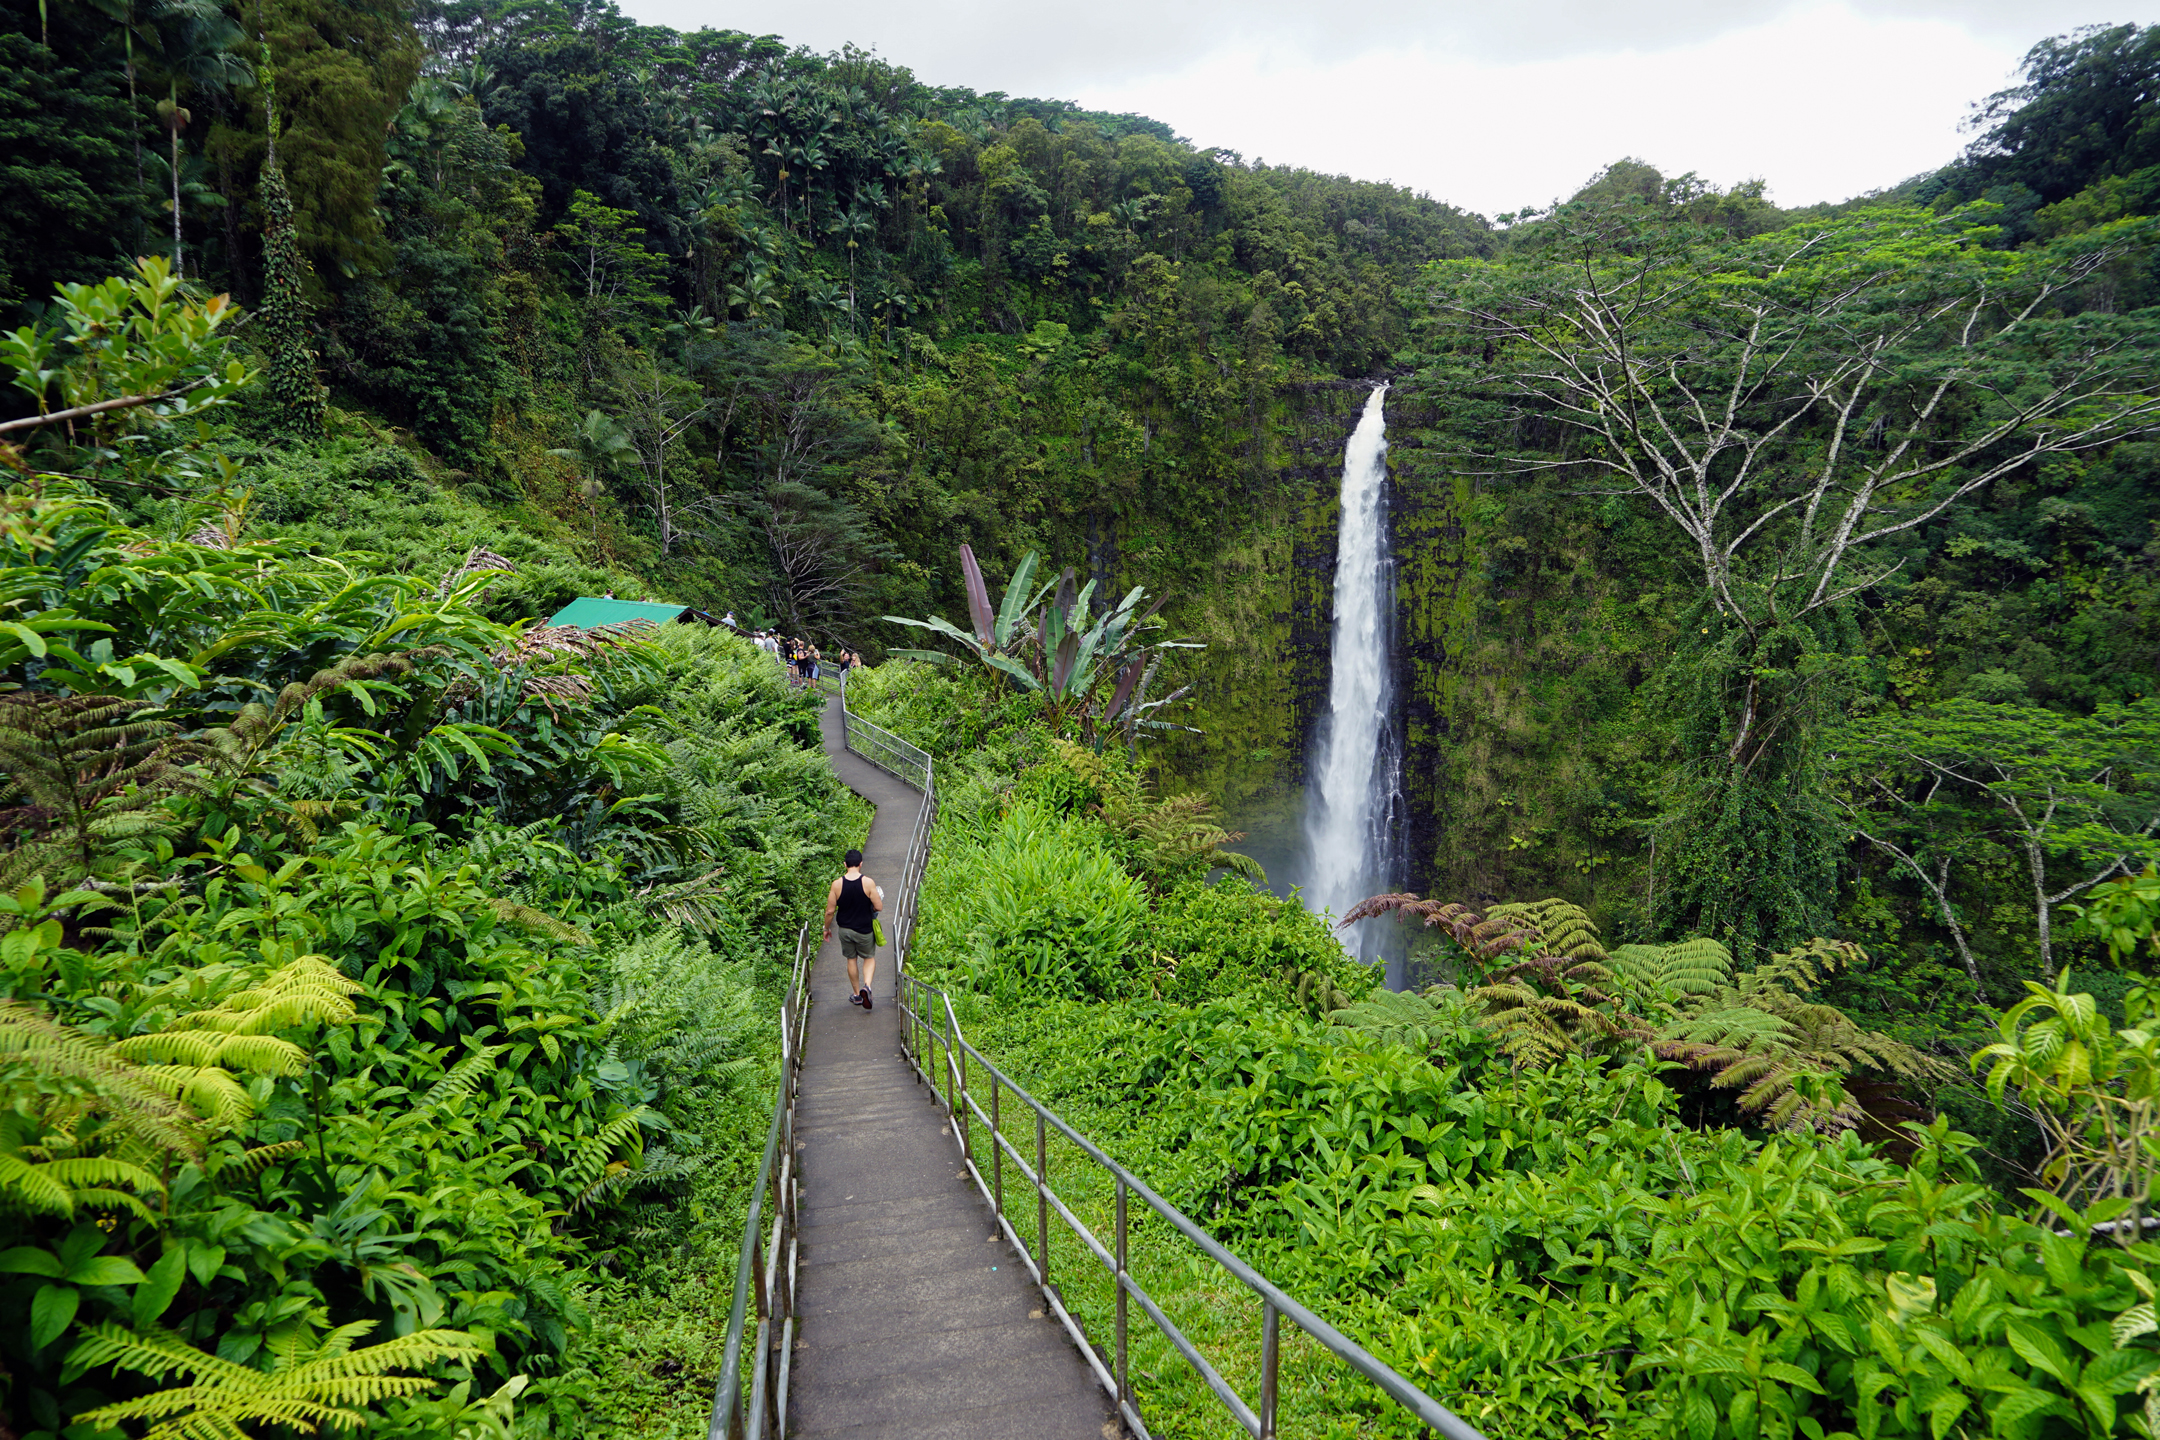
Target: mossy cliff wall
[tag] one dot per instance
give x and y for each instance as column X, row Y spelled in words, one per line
column 1262, row 682
column 1435, row 611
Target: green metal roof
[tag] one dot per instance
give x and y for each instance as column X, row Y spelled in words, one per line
column 589, row 612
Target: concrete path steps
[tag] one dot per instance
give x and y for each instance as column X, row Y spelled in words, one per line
column 916, row 1321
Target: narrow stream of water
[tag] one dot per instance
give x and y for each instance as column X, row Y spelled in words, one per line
column 1355, row 776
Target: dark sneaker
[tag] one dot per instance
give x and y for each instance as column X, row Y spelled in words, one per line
column 866, row 998
column 856, row 998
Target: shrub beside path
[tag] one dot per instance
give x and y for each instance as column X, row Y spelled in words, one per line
column 916, row 1319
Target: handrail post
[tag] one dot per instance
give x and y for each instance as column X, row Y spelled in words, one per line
column 1124, row 1385
column 997, row 1162
column 1042, row 1196
column 964, row 1114
column 1270, row 1366
column 952, row 1084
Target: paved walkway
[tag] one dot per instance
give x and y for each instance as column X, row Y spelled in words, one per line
column 917, row 1321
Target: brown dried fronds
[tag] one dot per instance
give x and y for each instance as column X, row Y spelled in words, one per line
column 547, row 689
column 477, row 560
column 211, row 536
column 222, row 530
column 1485, row 937
column 545, row 644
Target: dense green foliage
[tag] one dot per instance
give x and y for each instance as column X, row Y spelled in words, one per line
column 1503, row 1192
column 373, row 957
column 370, row 965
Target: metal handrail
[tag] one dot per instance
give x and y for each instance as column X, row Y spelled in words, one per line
column 917, row 998
column 759, row 1273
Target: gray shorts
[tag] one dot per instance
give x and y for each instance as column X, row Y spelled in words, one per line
column 854, row 945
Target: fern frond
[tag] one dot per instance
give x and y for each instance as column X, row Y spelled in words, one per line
column 97, row 1197
column 1563, row 928
column 262, row 1054
column 539, row 922
column 1739, row 1028
column 1396, row 1017
column 590, row 1161
column 309, row 990
column 118, row 1088
column 32, row 1188
column 211, row 1092
column 252, row 1160
column 327, row 1384
column 458, row 1082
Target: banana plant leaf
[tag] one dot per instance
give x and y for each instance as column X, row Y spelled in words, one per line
column 1063, row 664
column 1018, row 601
column 1125, row 685
column 978, row 598
column 1014, row 668
column 938, row 624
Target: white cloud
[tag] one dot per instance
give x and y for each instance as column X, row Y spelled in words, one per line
column 1488, row 105
column 1823, row 103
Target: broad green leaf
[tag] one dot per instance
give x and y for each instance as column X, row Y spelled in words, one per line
column 106, row 1270
column 2038, row 1351
column 29, row 1260
column 155, row 1295
column 52, row 1310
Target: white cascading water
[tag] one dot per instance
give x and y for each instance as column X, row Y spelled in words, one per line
column 1355, row 773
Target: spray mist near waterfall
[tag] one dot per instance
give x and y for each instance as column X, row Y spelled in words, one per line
column 1354, row 783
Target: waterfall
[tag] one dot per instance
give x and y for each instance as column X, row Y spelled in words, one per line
column 1355, row 779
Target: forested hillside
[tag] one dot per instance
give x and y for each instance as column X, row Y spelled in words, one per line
column 1778, row 619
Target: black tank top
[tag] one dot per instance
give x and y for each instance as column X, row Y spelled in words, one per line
column 854, row 911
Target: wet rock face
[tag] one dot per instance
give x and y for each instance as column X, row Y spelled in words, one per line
column 1434, row 605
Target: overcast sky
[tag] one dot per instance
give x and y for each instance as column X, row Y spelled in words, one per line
column 1486, row 104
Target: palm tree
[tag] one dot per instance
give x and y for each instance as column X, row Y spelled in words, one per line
column 199, row 51
column 601, row 448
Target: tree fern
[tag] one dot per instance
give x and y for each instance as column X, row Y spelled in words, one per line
column 1486, row 939
column 1666, row 973
column 82, row 770
column 1396, row 1016
column 1563, row 927
column 1757, row 1033
column 306, row 1386
column 1539, row 1012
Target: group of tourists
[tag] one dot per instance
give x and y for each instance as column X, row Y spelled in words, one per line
column 802, row 661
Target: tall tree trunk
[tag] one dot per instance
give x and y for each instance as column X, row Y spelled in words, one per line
column 173, row 122
column 134, row 117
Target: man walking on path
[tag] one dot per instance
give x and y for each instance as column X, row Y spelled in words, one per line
column 855, row 902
